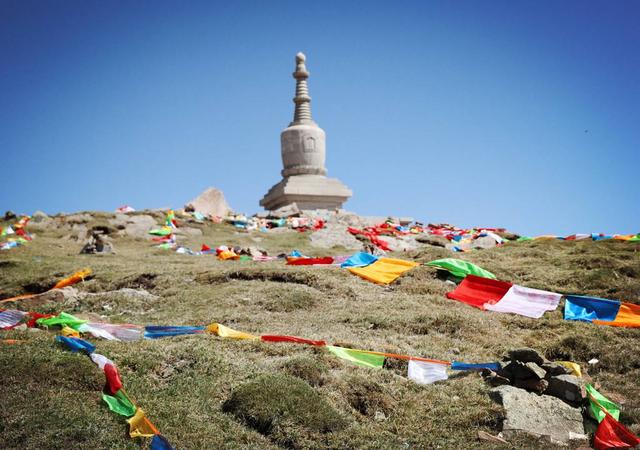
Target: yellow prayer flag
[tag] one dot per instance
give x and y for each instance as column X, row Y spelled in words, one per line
column 139, row 425
column 227, row 332
column 384, row 270
column 575, row 368
column 69, row 332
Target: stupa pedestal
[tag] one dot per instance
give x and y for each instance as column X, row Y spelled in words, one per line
column 303, row 157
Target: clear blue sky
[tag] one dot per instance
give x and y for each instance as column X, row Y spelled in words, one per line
column 523, row 114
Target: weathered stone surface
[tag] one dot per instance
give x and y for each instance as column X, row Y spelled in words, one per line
column 494, row 379
column 526, row 355
column 286, row 211
column 38, row 216
column 136, row 226
column 210, row 202
column 303, row 158
column 532, row 384
column 432, row 239
column 332, row 235
column 484, row 242
column 537, row 415
column 565, row 387
column 524, row 371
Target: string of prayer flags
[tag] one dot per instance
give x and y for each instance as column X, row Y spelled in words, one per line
column 359, row 259
column 459, row 268
column 384, row 270
column 426, row 372
column 612, row 434
column 294, row 339
column 226, row 332
column 357, row 357
column 598, row 404
column 113, row 383
column 112, row 332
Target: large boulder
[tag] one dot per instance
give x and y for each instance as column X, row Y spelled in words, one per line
column 135, row 226
column 210, row 202
column 540, row 416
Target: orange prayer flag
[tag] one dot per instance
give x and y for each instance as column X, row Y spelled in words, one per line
column 73, row 279
column 628, row 316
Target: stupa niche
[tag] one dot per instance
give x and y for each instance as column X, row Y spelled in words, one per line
column 303, row 157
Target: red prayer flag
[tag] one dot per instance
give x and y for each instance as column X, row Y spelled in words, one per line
column 612, row 434
column 297, row 340
column 33, row 316
column 309, row 261
column 476, row 291
column 205, row 248
column 113, row 384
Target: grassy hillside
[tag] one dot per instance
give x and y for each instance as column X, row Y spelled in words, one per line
column 205, row 392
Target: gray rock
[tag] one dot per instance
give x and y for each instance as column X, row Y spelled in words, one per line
column 135, row 226
column 531, row 384
column 285, row 211
column 494, row 379
column 526, row 355
column 484, row 242
column 39, row 216
column 210, row 202
column 432, row 239
column 517, row 370
column 537, row 415
column 332, row 235
column 566, row 387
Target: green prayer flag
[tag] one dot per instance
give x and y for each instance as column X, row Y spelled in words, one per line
column 357, row 357
column 460, row 268
column 524, row 238
column 120, row 403
column 62, row 319
column 595, row 411
column 164, row 231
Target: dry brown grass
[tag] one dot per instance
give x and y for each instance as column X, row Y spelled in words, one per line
column 51, row 397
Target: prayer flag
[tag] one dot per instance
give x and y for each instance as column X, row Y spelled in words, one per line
column 73, row 279
column 360, row 259
column 455, row 365
column 575, row 368
column 227, row 332
column 76, row 344
column 357, row 357
column 113, row 383
column 628, row 316
column 139, row 425
column 11, row 318
column 100, row 360
column 477, row 291
column 459, row 268
column 119, row 403
column 309, row 261
column 595, row 399
column 159, row 442
column 526, row 302
column 587, row 309
column 384, row 270
column 425, row 372
column 62, row 319
column 612, row 434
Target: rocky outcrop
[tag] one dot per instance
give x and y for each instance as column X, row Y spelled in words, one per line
column 210, row 203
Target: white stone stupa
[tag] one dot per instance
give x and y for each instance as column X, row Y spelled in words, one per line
column 304, row 177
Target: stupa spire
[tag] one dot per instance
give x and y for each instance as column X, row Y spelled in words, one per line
column 302, row 100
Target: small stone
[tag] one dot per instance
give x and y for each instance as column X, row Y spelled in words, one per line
column 39, row 216
column 380, row 416
column 494, row 379
column 565, row 387
column 432, row 239
column 526, row 355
